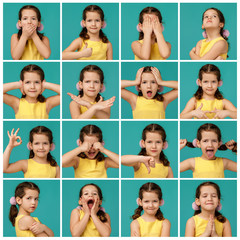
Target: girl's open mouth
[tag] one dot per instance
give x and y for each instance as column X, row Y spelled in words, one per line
column 149, row 93
column 90, row 203
column 210, row 153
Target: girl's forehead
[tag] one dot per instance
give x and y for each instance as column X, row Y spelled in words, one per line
column 209, row 76
column 148, row 195
column 94, row 14
column 153, row 135
column 31, row 76
column 90, row 138
column 29, row 12
column 209, row 134
column 207, row 189
column 31, row 192
column 91, row 76
column 148, row 76
column 38, row 137
column 210, row 12
column 90, row 188
column 151, row 15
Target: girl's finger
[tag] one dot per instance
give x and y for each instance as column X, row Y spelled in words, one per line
column 12, row 131
column 8, row 134
column 16, row 132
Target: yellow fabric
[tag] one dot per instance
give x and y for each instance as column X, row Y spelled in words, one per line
column 159, row 171
column 31, row 110
column 30, row 52
column 206, row 47
column 23, row 233
column 155, row 54
column 90, row 230
column 83, row 109
column 38, row 170
column 99, row 50
column 148, row 109
column 90, row 168
column 210, row 105
column 150, row 229
column 201, row 224
column 208, row 168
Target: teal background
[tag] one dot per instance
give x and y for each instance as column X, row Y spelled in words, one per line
column 70, row 134
column 188, row 130
column 229, row 201
column 70, row 193
column 130, row 15
column 191, row 26
column 70, row 77
column 50, row 13
column 130, row 191
column 21, row 152
column 189, row 75
column 48, row 210
column 169, row 71
column 11, row 73
column 132, row 134
column 72, row 16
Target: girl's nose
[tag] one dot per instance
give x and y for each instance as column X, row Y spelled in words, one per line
column 91, row 84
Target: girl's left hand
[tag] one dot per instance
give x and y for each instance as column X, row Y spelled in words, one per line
column 230, row 144
column 43, row 86
column 79, row 100
column 157, row 26
column 98, row 146
column 36, row 228
column 213, row 233
column 220, row 114
column 100, row 105
column 157, row 75
column 95, row 207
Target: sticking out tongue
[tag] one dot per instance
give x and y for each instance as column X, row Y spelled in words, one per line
column 149, row 93
column 210, row 153
column 90, row 204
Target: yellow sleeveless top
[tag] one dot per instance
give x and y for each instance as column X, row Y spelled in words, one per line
column 99, row 50
column 148, row 109
column 201, row 224
column 155, row 54
column 159, row 171
column 90, row 230
column 38, row 170
column 23, row 233
column 83, row 109
column 28, row 110
column 208, row 168
column 150, row 229
column 30, row 52
column 90, row 168
column 206, row 46
column 210, row 105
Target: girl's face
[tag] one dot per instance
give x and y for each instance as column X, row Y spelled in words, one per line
column 209, row 83
column 208, row 199
column 89, row 195
column 29, row 201
column 93, row 22
column 148, row 86
column 91, row 84
column 150, row 203
column 32, row 84
column 29, row 17
column 209, row 144
column 91, row 139
column 153, row 144
column 211, row 20
column 40, row 145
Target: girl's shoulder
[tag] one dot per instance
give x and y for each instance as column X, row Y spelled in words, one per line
column 75, row 212
column 166, row 222
column 191, row 222
column 134, row 223
column 25, row 222
column 14, row 36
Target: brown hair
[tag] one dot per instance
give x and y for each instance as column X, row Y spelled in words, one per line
column 47, row 132
column 208, row 68
column 218, row 215
column 158, row 97
column 160, row 130
column 149, row 187
column 148, row 10
column 91, row 68
column 91, row 130
column 93, row 8
column 36, row 69
column 101, row 214
column 20, row 192
column 36, row 10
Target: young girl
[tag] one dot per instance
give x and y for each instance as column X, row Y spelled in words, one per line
column 41, row 163
column 208, row 102
column 32, row 104
column 209, row 139
column 87, row 159
column 215, row 45
column 92, row 43
column 26, row 197
column 89, row 103
column 151, row 162
column 151, row 223
column 29, row 43
column 207, row 220
column 90, row 219
column 151, row 44
column 149, row 104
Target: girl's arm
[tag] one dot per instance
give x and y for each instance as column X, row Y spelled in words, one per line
column 18, row 46
column 227, row 232
column 190, row 228
column 170, row 172
column 229, row 110
column 104, row 229
column 188, row 164
column 229, row 165
column 52, row 101
column 40, row 230
column 57, row 172
column 109, row 51
column 135, row 229
column 43, row 46
column 166, row 225
column 70, row 54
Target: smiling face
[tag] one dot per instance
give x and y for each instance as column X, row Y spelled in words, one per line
column 93, row 22
column 91, row 139
column 209, row 144
column 40, row 145
column 148, row 86
column 29, row 17
column 211, row 20
column 209, row 83
column 89, row 195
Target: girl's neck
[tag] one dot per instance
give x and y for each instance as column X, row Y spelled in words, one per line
column 206, row 214
column 208, row 97
column 213, row 34
column 31, row 100
column 148, row 218
column 94, row 37
column 89, row 99
column 40, row 160
column 23, row 212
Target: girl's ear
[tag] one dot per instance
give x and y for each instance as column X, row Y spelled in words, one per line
column 30, row 145
column 18, row 200
column 140, row 26
column 19, row 23
column 140, row 202
column 197, row 202
column 221, row 25
column 80, row 84
column 142, row 143
column 199, row 82
column 83, row 23
column 80, row 201
column 198, row 144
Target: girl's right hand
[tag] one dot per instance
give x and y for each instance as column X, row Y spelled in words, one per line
column 198, row 113
column 230, row 144
column 79, row 100
column 149, row 162
column 147, row 26
column 85, row 207
column 21, row 87
column 28, row 30
column 100, row 105
column 14, row 140
column 87, row 52
column 85, row 146
column 183, row 143
column 209, row 227
column 139, row 76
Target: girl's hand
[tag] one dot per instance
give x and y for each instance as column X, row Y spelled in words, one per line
column 14, row 140
column 198, row 113
column 98, row 146
column 219, row 58
column 157, row 26
column 220, row 114
column 230, row 144
column 183, row 143
column 37, row 228
column 28, row 30
column 100, row 105
column 147, row 26
column 85, row 207
column 79, row 100
column 43, row 86
column 21, row 87
column 149, row 162
column 214, row 233
column 95, row 208
column 85, row 146
column 87, row 52
column 208, row 230
column 139, row 76
column 157, row 75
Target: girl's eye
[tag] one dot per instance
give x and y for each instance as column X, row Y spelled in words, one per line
column 36, row 199
column 144, row 82
column 96, row 81
column 153, row 82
